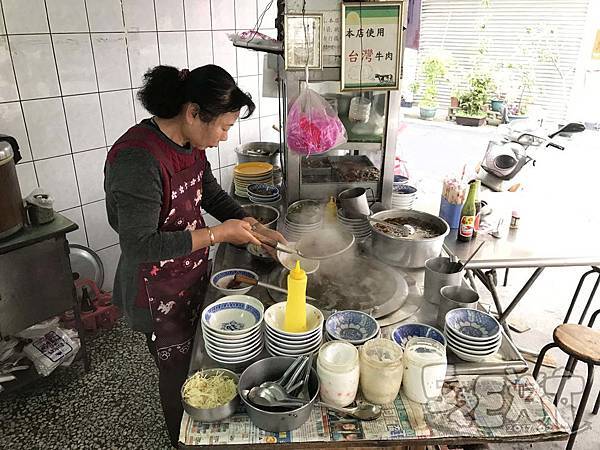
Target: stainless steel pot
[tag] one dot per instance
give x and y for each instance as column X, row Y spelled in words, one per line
column 408, row 252
column 258, row 151
column 11, row 204
column 268, row 214
column 271, row 369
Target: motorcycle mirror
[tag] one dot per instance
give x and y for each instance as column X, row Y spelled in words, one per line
column 573, row 127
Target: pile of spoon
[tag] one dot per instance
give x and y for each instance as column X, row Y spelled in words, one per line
column 291, row 391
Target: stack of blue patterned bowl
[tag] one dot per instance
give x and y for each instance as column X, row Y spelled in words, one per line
column 472, row 335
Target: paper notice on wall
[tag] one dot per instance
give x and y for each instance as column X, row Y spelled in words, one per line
column 332, row 41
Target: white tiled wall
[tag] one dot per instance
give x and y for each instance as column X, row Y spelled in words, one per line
column 69, row 74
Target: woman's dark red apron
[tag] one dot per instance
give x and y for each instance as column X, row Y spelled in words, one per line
column 173, row 288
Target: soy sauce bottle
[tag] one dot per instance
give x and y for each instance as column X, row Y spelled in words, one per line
column 468, row 214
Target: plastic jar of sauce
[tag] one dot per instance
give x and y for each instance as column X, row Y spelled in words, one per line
column 338, row 370
column 424, row 369
column 380, row 370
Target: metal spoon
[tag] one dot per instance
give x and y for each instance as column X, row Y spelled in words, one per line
column 363, row 411
column 276, row 391
column 251, row 281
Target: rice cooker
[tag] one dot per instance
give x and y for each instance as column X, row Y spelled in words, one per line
column 11, row 202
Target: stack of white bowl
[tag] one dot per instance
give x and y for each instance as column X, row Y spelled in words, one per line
column 471, row 334
column 232, row 329
column 360, row 228
column 293, row 231
column 403, row 196
column 265, row 194
column 287, row 343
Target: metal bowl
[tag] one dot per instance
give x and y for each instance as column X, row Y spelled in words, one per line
column 408, row 252
column 270, row 369
column 220, row 412
column 268, row 214
column 258, row 151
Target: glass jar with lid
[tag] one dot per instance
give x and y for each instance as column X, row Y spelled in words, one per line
column 380, row 370
column 424, row 369
column 338, row 370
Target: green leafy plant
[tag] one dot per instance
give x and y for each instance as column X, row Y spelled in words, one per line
column 472, row 103
column 414, row 87
column 434, row 69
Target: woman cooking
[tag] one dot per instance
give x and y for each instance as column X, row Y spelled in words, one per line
column 157, row 179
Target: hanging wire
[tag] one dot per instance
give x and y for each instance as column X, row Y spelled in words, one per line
column 259, row 21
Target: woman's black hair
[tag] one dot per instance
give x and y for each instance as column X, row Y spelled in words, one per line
column 211, row 87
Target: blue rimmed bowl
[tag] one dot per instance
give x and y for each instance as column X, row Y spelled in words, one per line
column 233, row 315
column 352, row 326
column 263, row 191
column 220, row 281
column 402, row 334
column 472, row 324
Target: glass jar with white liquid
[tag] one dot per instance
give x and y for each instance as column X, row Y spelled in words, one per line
column 338, row 370
column 380, row 370
column 424, row 369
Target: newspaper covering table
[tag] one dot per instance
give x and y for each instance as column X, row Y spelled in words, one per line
column 489, row 408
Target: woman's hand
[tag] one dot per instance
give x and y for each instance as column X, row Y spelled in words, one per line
column 238, row 232
column 272, row 235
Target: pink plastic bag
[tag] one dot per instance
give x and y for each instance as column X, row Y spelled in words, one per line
column 312, row 125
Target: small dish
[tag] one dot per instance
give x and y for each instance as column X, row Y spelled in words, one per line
column 222, row 279
column 469, row 357
column 402, row 334
column 262, row 190
column 233, row 315
column 472, row 324
column 355, row 327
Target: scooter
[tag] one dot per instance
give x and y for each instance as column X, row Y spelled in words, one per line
column 505, row 158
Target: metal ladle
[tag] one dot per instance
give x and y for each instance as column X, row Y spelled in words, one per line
column 363, row 411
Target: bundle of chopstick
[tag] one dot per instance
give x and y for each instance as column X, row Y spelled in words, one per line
column 454, row 191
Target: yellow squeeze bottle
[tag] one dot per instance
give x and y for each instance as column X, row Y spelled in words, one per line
column 295, row 307
column 331, row 211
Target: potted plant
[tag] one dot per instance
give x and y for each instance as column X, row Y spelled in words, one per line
column 407, row 98
column 472, row 110
column 434, row 69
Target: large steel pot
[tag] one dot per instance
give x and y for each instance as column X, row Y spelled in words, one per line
column 408, row 252
column 258, row 151
column 271, row 369
column 265, row 214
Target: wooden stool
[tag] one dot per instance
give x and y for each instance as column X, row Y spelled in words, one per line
column 581, row 343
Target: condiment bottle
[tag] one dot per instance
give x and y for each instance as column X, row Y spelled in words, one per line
column 467, row 214
column 477, row 214
column 331, row 211
column 295, row 307
column 338, row 370
column 380, row 370
column 424, row 369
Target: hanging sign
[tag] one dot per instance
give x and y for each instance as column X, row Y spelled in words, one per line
column 371, row 45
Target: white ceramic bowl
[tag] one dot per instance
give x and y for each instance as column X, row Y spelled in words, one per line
column 292, row 339
column 221, row 280
column 276, row 351
column 292, row 345
column 469, row 357
column 233, row 315
column 275, row 317
column 237, row 339
column 233, row 360
column 289, row 261
column 232, row 345
column 229, row 353
column 475, row 345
